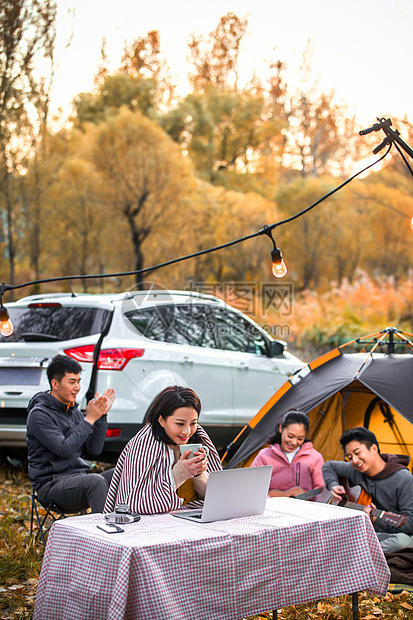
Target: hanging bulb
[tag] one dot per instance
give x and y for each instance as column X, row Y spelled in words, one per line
column 279, row 268
column 411, row 223
column 6, row 326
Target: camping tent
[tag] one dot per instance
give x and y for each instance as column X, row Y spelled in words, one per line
column 339, row 391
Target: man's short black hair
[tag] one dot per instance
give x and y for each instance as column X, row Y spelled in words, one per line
column 60, row 365
column 360, row 434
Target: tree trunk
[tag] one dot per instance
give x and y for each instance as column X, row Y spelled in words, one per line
column 137, row 237
column 10, row 225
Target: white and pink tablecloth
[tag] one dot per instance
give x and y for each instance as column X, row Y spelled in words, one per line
column 169, row 568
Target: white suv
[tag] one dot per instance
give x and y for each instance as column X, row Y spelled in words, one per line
column 138, row 343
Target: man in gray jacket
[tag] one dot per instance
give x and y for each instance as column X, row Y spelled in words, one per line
column 384, row 477
column 57, row 434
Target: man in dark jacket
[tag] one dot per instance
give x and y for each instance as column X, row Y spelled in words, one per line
column 58, row 432
column 384, row 477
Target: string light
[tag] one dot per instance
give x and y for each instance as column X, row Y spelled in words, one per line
column 279, row 268
column 6, row 326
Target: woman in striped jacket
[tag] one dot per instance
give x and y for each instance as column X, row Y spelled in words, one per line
column 151, row 476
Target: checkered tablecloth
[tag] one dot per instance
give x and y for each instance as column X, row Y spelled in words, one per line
column 169, row 568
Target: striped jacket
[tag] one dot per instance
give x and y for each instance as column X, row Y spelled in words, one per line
column 142, row 476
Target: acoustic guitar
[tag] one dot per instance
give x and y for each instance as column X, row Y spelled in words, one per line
column 321, row 495
column 356, row 498
column 298, row 493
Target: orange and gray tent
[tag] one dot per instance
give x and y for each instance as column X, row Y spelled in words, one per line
column 342, row 390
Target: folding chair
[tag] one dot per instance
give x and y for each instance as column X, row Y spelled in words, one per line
column 44, row 512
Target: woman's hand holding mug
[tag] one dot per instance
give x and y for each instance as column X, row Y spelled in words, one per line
column 194, row 458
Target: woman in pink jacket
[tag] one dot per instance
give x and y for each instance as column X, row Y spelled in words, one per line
column 296, row 465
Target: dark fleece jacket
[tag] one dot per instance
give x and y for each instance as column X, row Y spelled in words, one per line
column 56, row 436
column 391, row 489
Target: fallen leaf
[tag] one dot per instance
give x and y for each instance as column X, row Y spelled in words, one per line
column 406, row 605
column 17, row 587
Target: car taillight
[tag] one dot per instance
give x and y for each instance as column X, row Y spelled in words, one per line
column 113, row 432
column 116, row 359
column 45, row 304
column 82, row 354
column 109, row 359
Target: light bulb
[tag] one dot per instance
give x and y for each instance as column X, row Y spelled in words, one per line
column 6, row 326
column 278, row 266
column 411, row 223
column 279, row 269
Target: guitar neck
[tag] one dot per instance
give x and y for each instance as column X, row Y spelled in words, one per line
column 389, row 517
column 310, row 494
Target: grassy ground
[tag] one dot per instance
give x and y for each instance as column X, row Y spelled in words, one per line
column 21, row 559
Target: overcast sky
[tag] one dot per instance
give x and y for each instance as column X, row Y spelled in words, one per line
column 362, row 48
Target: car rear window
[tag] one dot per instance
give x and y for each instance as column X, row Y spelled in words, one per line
column 55, row 323
column 186, row 325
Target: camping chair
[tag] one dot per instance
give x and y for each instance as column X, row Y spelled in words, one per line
column 44, row 512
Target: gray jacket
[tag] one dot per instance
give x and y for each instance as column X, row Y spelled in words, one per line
column 56, row 437
column 392, row 494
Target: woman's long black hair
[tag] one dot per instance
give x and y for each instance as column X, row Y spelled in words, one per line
column 291, row 417
column 167, row 401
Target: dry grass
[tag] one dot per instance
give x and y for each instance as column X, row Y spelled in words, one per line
column 21, row 558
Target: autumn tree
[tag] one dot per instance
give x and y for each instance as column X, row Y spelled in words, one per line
column 83, row 226
column 221, row 129
column 27, row 31
column 144, row 59
column 116, row 90
column 218, row 217
column 142, row 82
column 388, row 198
column 215, row 60
column 304, row 242
column 47, row 153
column 220, row 125
column 146, row 176
column 321, row 137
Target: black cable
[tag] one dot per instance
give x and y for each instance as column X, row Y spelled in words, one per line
column 293, row 217
column 403, row 157
column 264, row 231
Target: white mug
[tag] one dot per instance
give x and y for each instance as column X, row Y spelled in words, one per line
column 194, row 447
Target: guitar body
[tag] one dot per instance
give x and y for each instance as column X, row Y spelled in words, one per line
column 290, row 493
column 356, row 494
column 318, row 495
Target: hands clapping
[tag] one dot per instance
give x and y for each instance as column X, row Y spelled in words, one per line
column 99, row 405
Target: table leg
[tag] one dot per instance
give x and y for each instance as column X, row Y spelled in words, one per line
column 355, row 605
column 274, row 614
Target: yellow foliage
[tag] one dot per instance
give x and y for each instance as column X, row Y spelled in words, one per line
column 326, row 320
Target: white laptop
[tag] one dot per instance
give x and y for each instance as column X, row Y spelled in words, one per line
column 232, row 493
